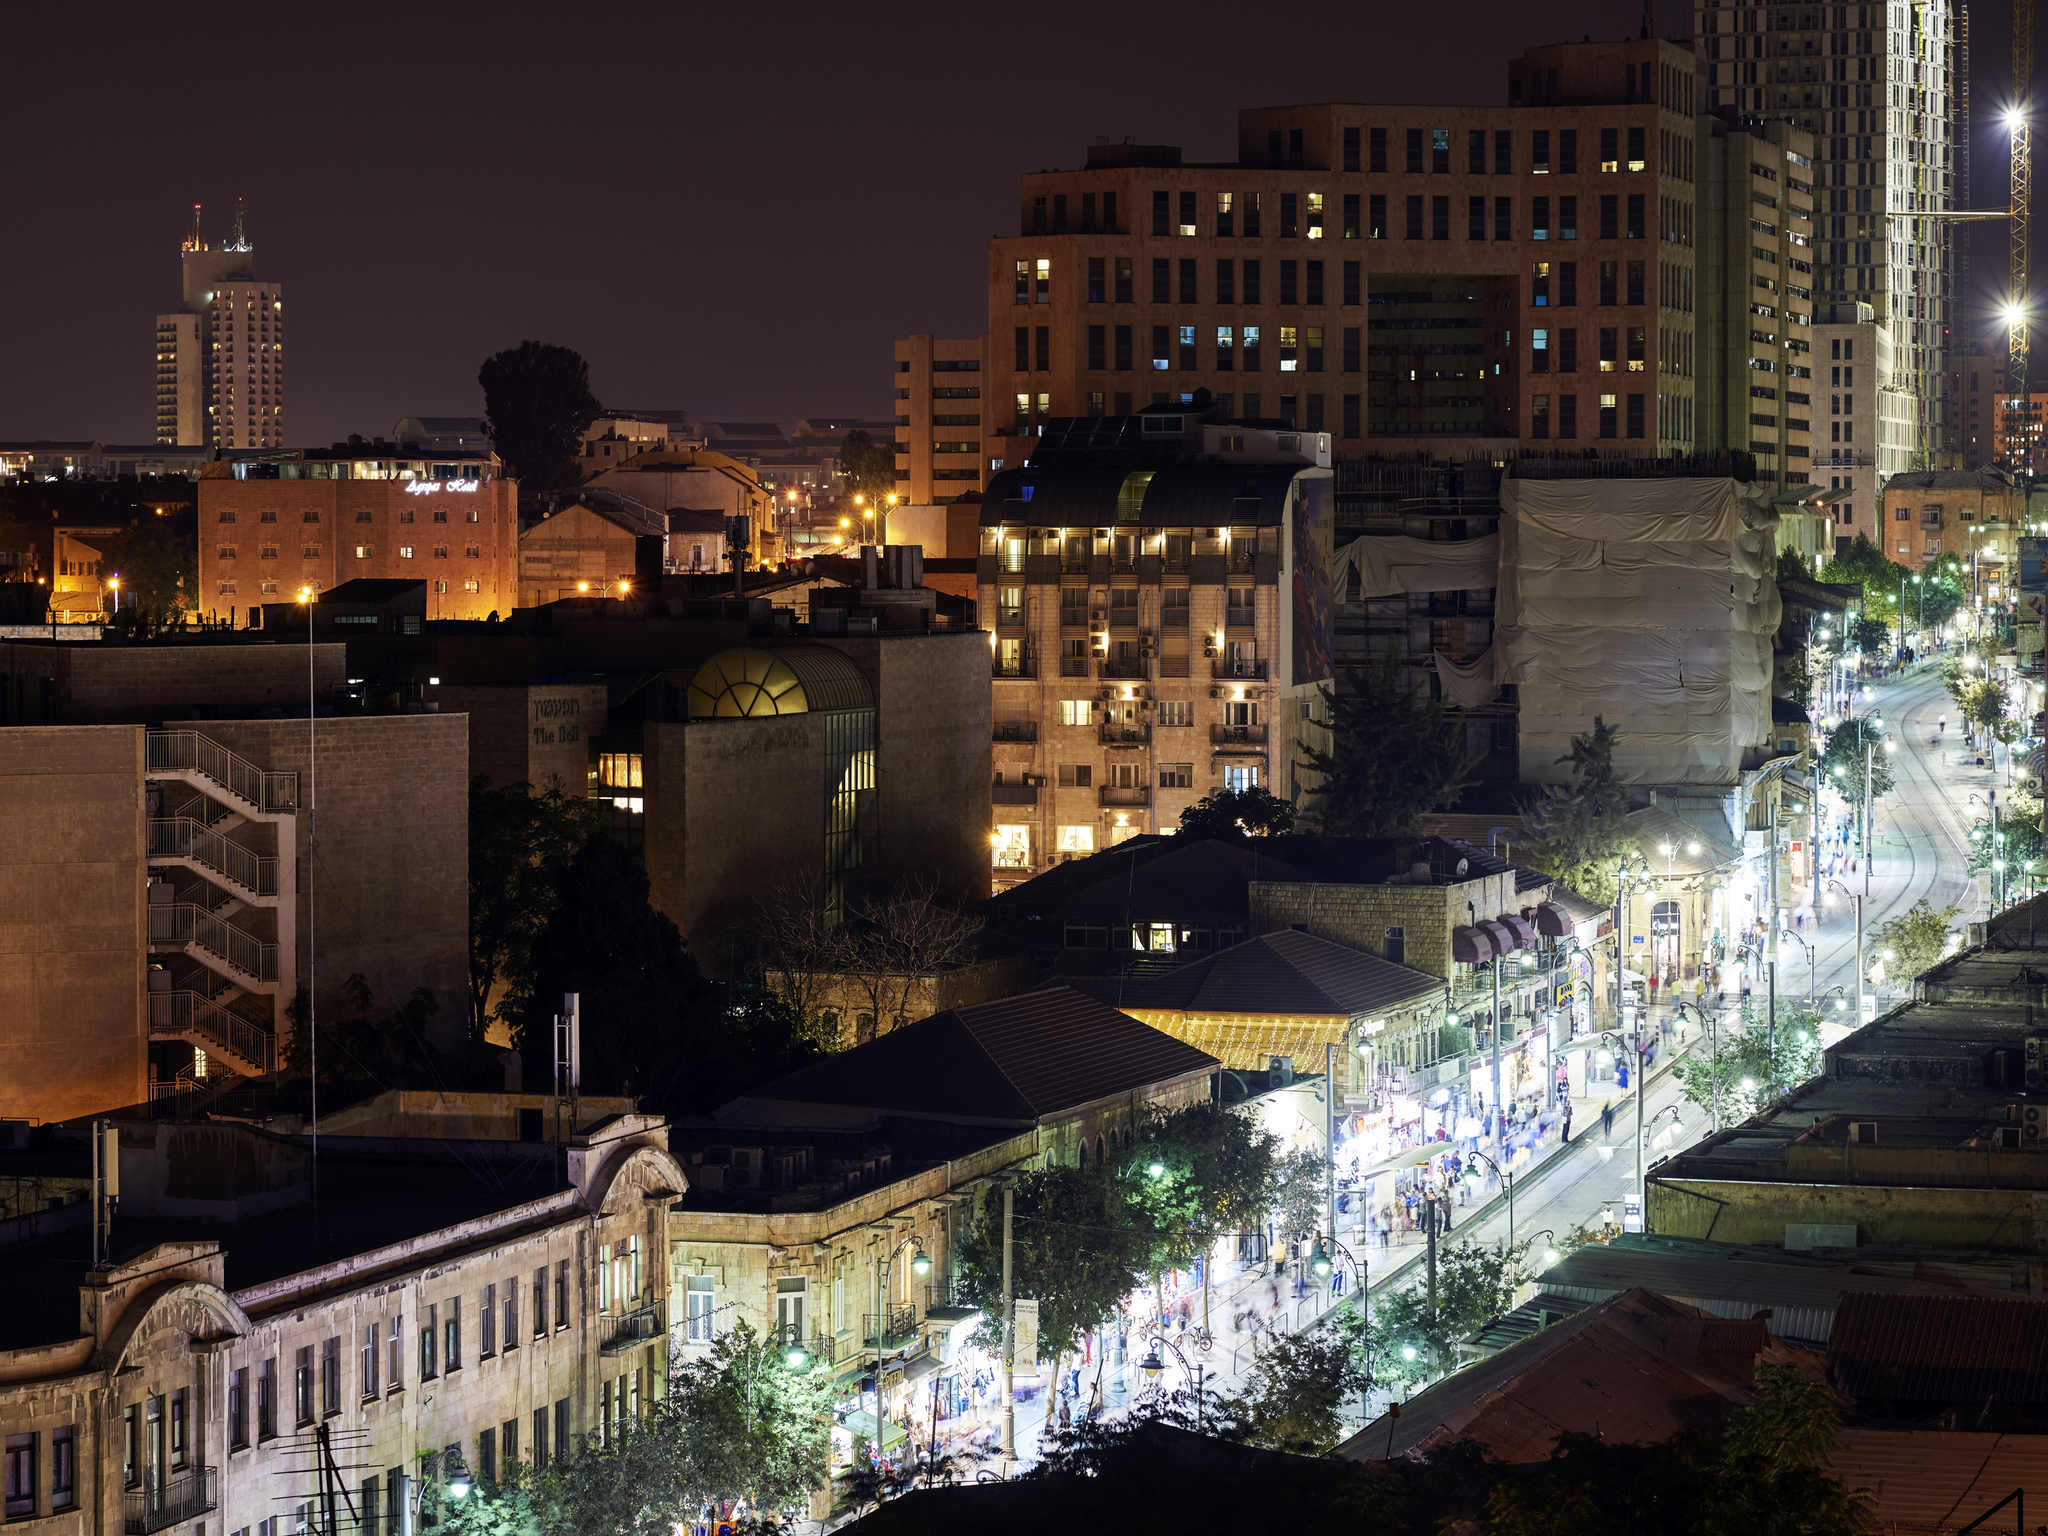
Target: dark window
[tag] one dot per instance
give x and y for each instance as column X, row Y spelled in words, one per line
column 1567, row 415
column 1251, row 215
column 1160, row 360
column 1609, row 426
column 1251, row 281
column 1440, row 151
column 1394, row 945
column 1539, row 152
column 1162, row 214
column 1609, row 271
column 1568, row 350
column 1351, row 352
column 1187, row 280
column 1098, row 279
column 1503, row 218
column 1315, row 414
column 1351, row 416
column 1567, row 218
column 1289, row 292
column 1350, row 149
column 1610, row 216
column 1059, row 213
column 1635, row 149
column 1414, row 231
column 1350, row 215
column 1539, row 218
column 1475, row 151
column 1187, row 213
column 1377, row 141
column 1123, row 349
column 1567, row 283
column 1635, row 216
column 1226, row 281
column 1415, row 151
column 1503, row 152
column 21, row 1476
column 1610, row 149
column 1376, row 216
column 63, row 1467
column 1635, row 282
column 1098, row 347
column 1313, row 270
column 1123, row 279
column 1635, row 415
column 1567, row 151
column 1290, row 215
column 1162, row 280
column 1351, row 283
column 1022, row 341
column 1475, row 218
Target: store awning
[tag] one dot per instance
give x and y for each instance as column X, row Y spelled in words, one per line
column 860, row 1422
column 1552, row 922
column 1504, row 941
column 1523, row 930
column 1471, row 946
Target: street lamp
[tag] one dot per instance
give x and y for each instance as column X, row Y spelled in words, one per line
column 411, row 1491
column 1152, row 1365
column 114, row 586
column 1508, row 1181
column 1634, row 1046
column 308, row 596
column 920, row 1265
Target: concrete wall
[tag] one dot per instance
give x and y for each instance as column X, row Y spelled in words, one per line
column 72, row 1037
column 390, row 880
column 575, row 545
column 1731, row 1211
column 90, row 684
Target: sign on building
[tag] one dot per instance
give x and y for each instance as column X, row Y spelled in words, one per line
column 1024, row 1359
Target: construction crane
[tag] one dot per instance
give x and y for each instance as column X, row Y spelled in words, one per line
column 2018, row 124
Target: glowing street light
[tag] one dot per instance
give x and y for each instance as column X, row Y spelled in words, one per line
column 2014, row 118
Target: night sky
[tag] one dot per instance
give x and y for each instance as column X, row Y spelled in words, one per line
column 726, row 208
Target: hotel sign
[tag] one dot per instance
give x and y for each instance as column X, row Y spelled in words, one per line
column 433, row 487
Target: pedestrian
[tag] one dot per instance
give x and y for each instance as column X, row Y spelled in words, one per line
column 1066, row 1416
column 1567, row 1135
column 1607, row 1117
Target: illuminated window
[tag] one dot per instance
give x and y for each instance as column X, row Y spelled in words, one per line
column 362, row 551
column 1011, row 845
column 405, row 551
column 1075, row 841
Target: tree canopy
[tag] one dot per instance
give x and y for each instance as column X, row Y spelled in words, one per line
column 867, row 467
column 1917, row 939
column 1753, row 1065
column 1577, row 833
column 537, row 406
column 1395, row 755
column 156, row 566
column 1842, row 764
column 1414, row 1339
column 520, row 847
column 1238, row 813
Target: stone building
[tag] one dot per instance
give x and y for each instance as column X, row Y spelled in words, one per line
column 164, row 894
column 1970, row 516
column 1157, row 591
column 274, row 523
column 939, row 418
column 235, row 1361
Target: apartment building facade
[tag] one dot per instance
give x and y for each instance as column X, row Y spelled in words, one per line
column 1756, row 287
column 1157, row 592
column 1971, row 516
column 220, row 354
column 244, row 1382
column 1865, row 434
column 272, row 525
column 1875, row 84
column 1441, row 280
column 939, row 419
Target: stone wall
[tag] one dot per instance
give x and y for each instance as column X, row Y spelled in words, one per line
column 1360, row 915
column 1733, row 1211
column 91, row 684
column 72, row 1035
column 389, row 882
column 529, row 735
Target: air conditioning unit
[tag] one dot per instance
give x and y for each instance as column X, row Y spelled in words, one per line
column 2034, row 1124
column 1097, row 615
column 1215, row 693
column 1863, row 1133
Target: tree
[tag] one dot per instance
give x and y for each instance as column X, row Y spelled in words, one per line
column 1301, row 1199
column 1754, row 1065
column 2019, row 835
column 1074, row 1248
column 537, row 406
column 1985, row 701
column 892, row 944
column 1914, row 941
column 1791, row 567
column 359, row 1046
column 1863, row 565
column 636, row 982
column 520, row 845
column 156, row 569
column 1395, row 755
column 752, row 1422
column 1843, row 762
column 1412, row 1339
column 1869, row 635
column 868, row 468
column 1196, row 1173
column 1299, row 1388
column 1579, row 832
column 1238, row 813
column 800, row 949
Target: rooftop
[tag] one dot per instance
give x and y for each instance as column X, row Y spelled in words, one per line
column 1016, row 1061
column 1276, row 973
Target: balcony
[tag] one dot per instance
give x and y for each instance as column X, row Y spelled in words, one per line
column 1015, row 730
column 1244, row 668
column 1013, row 794
column 642, row 1325
column 1127, row 668
column 174, row 1502
column 1125, row 735
column 1010, row 618
column 1239, row 618
column 1126, row 795
column 1015, row 666
column 1238, row 738
column 1073, row 666
column 899, row 1327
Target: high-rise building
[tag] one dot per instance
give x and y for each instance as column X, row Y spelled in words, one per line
column 220, row 354
column 1445, row 281
column 1863, row 422
column 938, row 418
column 1875, row 85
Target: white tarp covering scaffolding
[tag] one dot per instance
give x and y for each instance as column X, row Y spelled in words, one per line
column 1650, row 603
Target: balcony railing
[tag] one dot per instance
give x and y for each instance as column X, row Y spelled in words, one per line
column 190, row 752
column 1227, row 736
column 173, row 1014
column 182, row 1498
column 1125, row 735
column 1131, row 667
column 1013, row 794
column 1022, row 666
column 899, row 1326
column 642, row 1325
column 1239, row 667
column 1073, row 666
column 1126, row 794
column 1015, row 730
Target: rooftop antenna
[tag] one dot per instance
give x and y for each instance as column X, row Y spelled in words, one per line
column 1649, row 26
column 238, row 241
column 192, row 241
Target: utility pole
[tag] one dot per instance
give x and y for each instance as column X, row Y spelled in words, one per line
column 1499, row 1119
column 1009, row 1337
column 1329, row 1148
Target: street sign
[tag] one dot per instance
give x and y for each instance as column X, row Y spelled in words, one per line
column 1631, row 1214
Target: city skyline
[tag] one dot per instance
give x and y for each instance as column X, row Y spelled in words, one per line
column 391, row 212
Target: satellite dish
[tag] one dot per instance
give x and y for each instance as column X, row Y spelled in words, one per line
column 1463, row 865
